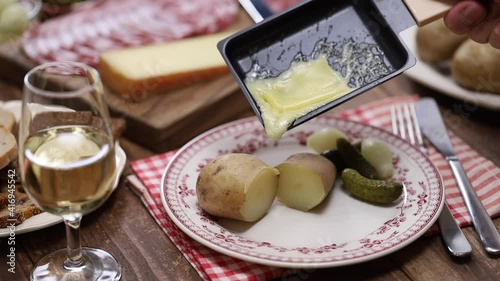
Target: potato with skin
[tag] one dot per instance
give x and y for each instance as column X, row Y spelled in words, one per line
column 305, row 180
column 435, row 43
column 237, row 186
column 475, row 67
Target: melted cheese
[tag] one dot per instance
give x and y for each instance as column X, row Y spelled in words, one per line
column 297, row 91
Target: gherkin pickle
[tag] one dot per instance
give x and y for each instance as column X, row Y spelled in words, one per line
column 334, row 156
column 375, row 191
column 354, row 160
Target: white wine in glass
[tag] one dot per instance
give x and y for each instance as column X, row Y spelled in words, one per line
column 67, row 162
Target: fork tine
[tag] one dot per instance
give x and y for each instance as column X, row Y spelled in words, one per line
column 418, row 133
column 400, row 122
column 394, row 120
column 409, row 123
column 405, row 124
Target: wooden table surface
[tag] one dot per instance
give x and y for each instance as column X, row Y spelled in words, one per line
column 124, row 227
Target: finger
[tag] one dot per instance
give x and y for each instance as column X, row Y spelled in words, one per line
column 494, row 39
column 463, row 17
column 481, row 32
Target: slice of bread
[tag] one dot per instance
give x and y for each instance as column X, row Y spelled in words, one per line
column 21, row 210
column 7, row 119
column 8, row 147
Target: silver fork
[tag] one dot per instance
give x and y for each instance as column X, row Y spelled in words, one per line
column 405, row 124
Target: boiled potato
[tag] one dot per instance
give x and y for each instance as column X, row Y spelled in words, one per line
column 305, row 180
column 475, row 67
column 325, row 139
column 238, row 186
column 436, row 43
column 377, row 153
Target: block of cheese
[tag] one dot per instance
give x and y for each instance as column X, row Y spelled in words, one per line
column 140, row 72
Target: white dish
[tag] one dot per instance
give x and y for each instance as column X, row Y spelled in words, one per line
column 45, row 219
column 341, row 231
column 441, row 80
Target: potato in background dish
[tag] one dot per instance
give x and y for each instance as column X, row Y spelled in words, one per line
column 436, row 43
column 476, row 67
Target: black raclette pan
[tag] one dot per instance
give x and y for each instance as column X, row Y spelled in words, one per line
column 277, row 40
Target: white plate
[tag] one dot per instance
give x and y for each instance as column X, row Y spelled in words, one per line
column 45, row 219
column 441, row 80
column 341, row 231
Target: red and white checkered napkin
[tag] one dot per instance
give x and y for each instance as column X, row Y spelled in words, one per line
column 211, row 265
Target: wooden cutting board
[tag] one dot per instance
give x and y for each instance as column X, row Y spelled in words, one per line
column 162, row 122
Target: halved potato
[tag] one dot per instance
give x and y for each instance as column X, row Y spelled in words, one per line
column 305, row 180
column 238, row 186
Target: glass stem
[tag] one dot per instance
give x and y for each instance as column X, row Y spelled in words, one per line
column 75, row 258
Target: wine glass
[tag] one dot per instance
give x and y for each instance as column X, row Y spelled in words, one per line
column 67, row 162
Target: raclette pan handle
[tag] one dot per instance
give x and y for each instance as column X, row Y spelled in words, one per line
column 423, row 11
column 427, row 11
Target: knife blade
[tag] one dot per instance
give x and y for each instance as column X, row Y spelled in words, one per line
column 432, row 126
column 452, row 234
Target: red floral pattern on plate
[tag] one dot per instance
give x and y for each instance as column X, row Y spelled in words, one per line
column 412, row 215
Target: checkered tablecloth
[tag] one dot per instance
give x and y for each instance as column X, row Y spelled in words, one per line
column 211, row 265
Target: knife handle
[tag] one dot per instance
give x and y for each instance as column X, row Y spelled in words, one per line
column 482, row 222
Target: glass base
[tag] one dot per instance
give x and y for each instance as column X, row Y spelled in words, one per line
column 97, row 265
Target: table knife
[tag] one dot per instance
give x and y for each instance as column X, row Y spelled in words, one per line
column 452, row 234
column 432, row 126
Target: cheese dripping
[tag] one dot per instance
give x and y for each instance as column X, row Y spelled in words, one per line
column 331, row 71
column 305, row 86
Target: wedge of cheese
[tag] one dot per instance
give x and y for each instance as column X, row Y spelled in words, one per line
column 138, row 73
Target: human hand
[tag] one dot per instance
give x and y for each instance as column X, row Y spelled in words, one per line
column 479, row 20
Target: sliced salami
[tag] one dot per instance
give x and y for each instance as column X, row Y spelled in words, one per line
column 114, row 24
column 279, row 5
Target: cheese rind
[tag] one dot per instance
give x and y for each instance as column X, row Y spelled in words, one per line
column 140, row 72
